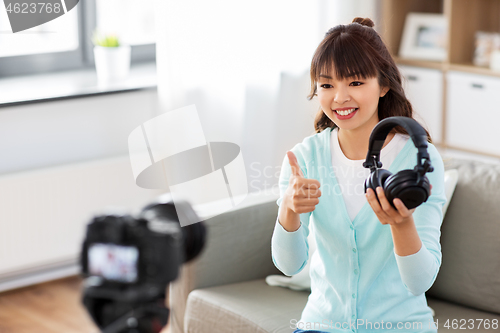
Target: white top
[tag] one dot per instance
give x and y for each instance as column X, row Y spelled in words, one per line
column 351, row 174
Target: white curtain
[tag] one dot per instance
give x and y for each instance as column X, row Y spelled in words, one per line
column 244, row 64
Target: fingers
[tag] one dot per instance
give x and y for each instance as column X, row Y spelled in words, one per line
column 301, row 202
column 304, row 209
column 306, row 183
column 383, row 209
column 386, row 206
column 377, row 208
column 294, row 164
column 403, row 211
column 305, row 202
column 302, row 194
column 303, row 189
column 309, row 187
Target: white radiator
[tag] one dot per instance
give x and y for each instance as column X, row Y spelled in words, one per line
column 43, row 215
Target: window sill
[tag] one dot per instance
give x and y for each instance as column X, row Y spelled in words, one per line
column 70, row 84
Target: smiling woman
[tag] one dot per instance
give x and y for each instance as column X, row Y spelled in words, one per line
column 372, row 272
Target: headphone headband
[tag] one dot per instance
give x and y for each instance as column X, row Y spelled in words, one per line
column 380, row 132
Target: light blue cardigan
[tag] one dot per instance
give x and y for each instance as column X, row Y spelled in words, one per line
column 356, row 277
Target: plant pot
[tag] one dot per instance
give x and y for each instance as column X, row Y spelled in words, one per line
column 112, row 63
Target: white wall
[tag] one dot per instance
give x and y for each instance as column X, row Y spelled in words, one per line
column 71, row 130
column 61, row 163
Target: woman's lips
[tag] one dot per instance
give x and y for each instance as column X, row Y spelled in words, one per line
column 345, row 110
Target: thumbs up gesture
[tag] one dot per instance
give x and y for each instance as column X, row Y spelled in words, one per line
column 302, row 194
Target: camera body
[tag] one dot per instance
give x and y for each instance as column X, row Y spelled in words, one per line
column 125, row 251
column 128, row 261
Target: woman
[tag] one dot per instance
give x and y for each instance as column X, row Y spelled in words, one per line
column 373, row 262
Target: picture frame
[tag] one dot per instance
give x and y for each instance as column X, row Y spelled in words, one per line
column 424, row 37
column 486, row 43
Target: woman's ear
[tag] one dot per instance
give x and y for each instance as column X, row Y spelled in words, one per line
column 384, row 91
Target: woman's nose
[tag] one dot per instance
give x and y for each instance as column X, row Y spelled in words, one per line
column 341, row 96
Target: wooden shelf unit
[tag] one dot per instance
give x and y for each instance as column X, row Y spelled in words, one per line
column 420, row 63
column 464, row 19
column 394, row 15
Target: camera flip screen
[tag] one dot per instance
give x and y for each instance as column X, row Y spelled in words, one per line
column 113, row 262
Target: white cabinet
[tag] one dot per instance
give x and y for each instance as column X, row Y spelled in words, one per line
column 472, row 114
column 424, row 89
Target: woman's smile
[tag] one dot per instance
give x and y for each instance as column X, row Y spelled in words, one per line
column 345, row 113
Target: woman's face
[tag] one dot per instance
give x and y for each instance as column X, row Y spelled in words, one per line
column 350, row 103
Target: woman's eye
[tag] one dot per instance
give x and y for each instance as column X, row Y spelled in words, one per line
column 326, row 86
column 356, row 83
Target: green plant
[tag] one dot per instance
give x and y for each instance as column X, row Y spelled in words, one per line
column 110, row 40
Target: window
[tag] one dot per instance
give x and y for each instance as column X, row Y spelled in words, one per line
column 131, row 19
column 65, row 43
column 57, row 35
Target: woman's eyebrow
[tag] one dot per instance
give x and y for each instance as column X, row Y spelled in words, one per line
column 325, row 76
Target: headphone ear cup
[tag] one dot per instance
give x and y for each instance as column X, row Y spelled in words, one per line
column 377, row 178
column 403, row 185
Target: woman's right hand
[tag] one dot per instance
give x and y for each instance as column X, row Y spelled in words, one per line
column 302, row 194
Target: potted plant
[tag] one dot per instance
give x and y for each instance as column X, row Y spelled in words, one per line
column 112, row 58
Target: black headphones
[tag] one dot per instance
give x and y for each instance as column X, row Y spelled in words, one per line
column 411, row 186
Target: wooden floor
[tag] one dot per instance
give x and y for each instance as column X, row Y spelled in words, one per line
column 52, row 307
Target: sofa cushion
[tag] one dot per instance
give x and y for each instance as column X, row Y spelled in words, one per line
column 455, row 315
column 470, row 245
column 255, row 307
column 243, row 307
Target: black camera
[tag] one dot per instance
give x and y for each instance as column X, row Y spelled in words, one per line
column 129, row 261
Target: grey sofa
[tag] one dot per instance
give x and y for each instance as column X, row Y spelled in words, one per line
column 224, row 290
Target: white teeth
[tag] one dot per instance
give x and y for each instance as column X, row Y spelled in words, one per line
column 345, row 112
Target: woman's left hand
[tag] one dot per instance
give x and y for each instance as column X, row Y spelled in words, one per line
column 385, row 212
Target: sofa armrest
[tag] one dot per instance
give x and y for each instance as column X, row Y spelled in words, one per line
column 237, row 249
